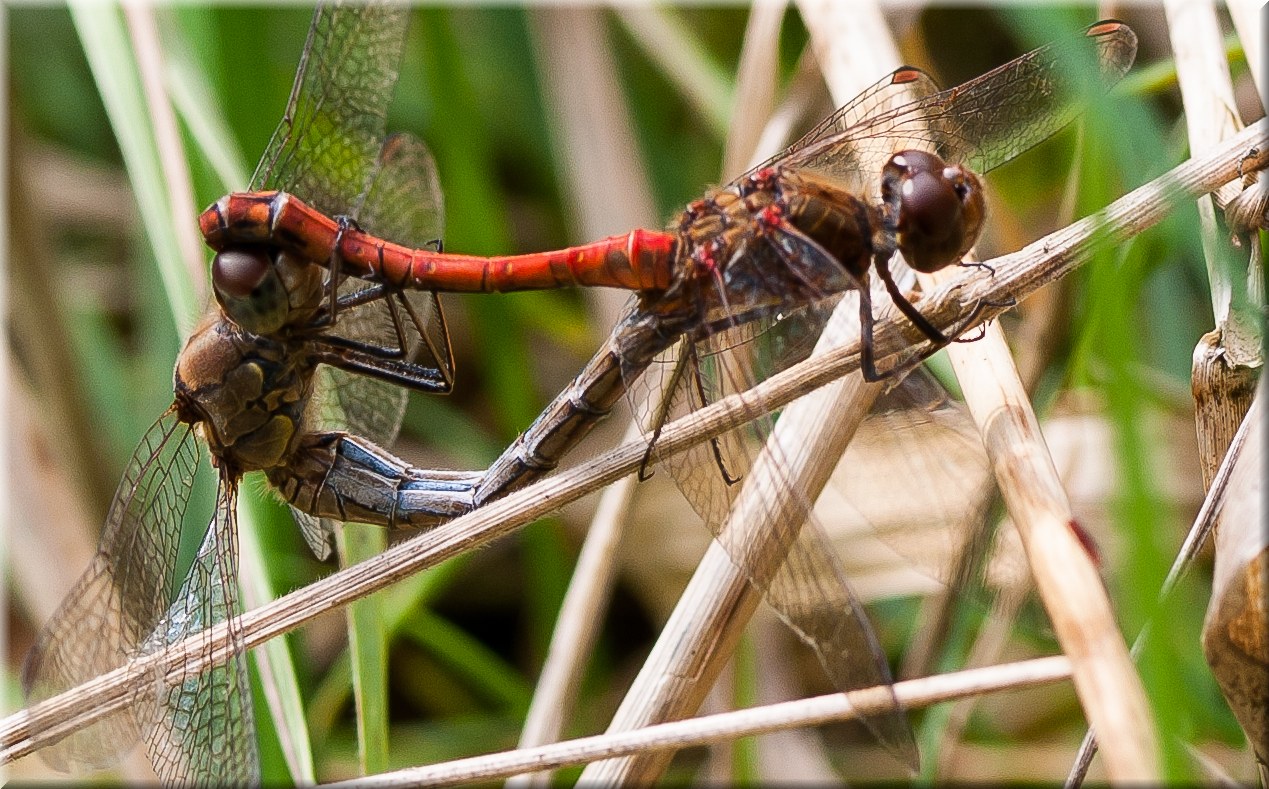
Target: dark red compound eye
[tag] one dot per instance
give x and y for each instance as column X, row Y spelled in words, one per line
column 930, row 206
column 936, row 210
column 236, row 273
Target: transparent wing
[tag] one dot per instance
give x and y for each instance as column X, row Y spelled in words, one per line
column 982, row 123
column 858, row 168
column 403, row 204
column 200, row 730
column 722, row 480
column 123, row 595
column 325, row 147
column 330, row 150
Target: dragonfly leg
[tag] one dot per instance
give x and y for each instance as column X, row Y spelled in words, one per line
column 358, row 297
column 978, row 264
column 334, row 265
column 906, row 307
column 687, row 358
column 981, row 305
column 645, row 471
column 699, row 385
column 981, row 333
column 335, row 475
column 867, row 362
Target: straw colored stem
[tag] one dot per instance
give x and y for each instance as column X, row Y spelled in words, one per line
column 1017, row 274
column 773, row 504
column 728, row 726
column 1066, row 575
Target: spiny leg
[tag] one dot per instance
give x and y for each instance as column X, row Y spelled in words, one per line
column 714, row 445
column 337, row 263
column 935, row 336
column 867, row 362
column 662, row 414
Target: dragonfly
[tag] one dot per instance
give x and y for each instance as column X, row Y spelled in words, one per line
column 843, row 192
column 755, row 266
column 748, row 253
column 284, row 351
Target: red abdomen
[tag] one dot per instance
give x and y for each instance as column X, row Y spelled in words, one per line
column 640, row 260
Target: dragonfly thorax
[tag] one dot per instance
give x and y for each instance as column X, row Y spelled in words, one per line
column 247, row 393
column 838, row 221
column 775, row 215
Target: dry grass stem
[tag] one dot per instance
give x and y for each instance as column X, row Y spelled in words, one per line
column 765, row 519
column 577, row 625
column 596, row 147
column 599, row 149
column 730, row 725
column 1227, row 360
column 803, row 98
column 592, row 576
column 36, row 314
column 1222, row 394
column 757, row 75
column 1235, row 634
column 580, row 613
column 679, row 55
column 41, row 562
column 167, row 136
column 1197, row 536
column 1066, row 576
column 1017, row 275
column 1247, row 17
column 852, row 45
column 1226, row 365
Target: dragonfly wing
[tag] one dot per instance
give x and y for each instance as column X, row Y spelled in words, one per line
column 828, row 617
column 857, row 169
column 940, row 528
column 986, row 121
column 325, row 146
column 403, row 204
column 330, row 149
column 807, row 589
column 122, row 596
column 200, row 730
column 318, row 533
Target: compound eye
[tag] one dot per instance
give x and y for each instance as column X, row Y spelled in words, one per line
column 930, row 205
column 917, row 161
column 249, row 290
column 934, row 209
column 237, row 273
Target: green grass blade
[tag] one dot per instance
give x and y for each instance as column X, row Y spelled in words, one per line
column 367, row 639
column 109, row 52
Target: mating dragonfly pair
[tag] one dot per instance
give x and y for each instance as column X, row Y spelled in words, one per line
column 325, row 276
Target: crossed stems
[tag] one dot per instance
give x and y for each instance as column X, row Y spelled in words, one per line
column 1017, row 275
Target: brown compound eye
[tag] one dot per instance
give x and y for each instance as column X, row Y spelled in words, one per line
column 935, row 209
column 249, row 290
column 238, row 272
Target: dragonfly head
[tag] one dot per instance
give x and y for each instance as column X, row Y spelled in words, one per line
column 262, row 290
column 935, row 209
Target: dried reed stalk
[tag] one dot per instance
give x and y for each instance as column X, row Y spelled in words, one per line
column 728, row 726
column 773, row 504
column 601, row 151
column 1017, row 275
